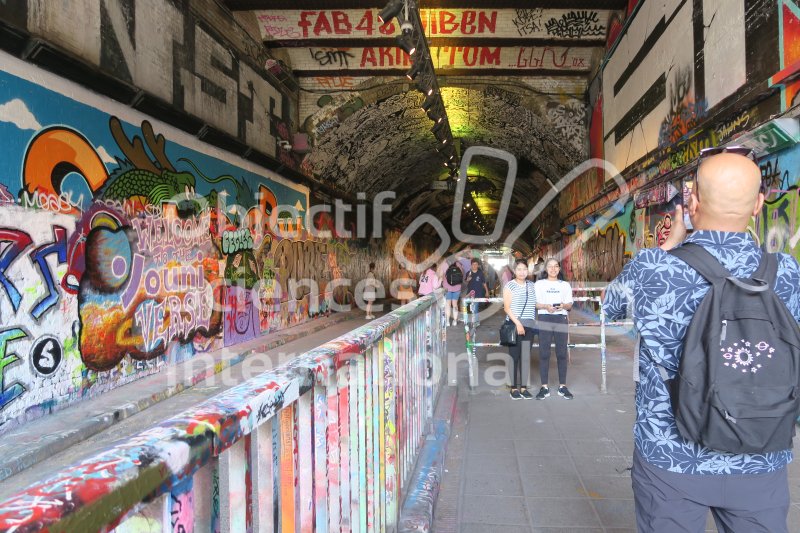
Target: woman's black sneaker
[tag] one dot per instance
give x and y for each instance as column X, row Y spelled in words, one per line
column 564, row 391
column 544, row 392
column 525, row 393
column 515, row 395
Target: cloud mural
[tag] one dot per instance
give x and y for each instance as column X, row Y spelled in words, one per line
column 16, row 112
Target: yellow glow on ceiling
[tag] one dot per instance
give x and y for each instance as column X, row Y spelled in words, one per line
column 485, row 205
column 457, row 105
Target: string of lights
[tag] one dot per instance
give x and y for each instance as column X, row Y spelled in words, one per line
column 413, row 42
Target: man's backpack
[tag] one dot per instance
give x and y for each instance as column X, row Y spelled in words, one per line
column 738, row 380
column 454, row 275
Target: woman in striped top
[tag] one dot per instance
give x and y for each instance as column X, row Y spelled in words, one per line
column 519, row 302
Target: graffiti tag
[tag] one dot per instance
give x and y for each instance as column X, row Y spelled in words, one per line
column 9, row 393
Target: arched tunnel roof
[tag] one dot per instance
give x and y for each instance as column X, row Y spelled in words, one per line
column 369, row 132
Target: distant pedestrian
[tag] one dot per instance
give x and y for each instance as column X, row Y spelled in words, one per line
column 476, row 285
column 491, row 281
column 506, row 275
column 453, row 279
column 405, row 286
column 429, row 281
column 370, row 290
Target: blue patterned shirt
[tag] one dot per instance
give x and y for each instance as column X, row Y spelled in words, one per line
column 663, row 294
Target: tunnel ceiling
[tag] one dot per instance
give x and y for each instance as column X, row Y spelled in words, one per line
column 513, row 75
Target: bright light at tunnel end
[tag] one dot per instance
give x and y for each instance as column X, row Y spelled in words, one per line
column 437, row 257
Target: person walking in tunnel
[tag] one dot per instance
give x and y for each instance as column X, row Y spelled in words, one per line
column 553, row 302
column 491, row 281
column 506, row 275
column 676, row 480
column 453, row 278
column 405, row 286
column 429, row 281
column 370, row 290
column 519, row 302
column 476, row 286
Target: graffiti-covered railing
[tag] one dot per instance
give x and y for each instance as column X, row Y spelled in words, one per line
column 326, row 442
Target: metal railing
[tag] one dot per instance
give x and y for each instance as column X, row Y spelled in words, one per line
column 324, row 443
column 473, row 344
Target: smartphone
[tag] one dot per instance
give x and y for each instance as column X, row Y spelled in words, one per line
column 557, row 305
column 687, row 191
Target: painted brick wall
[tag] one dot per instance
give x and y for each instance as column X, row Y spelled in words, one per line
column 680, row 80
column 128, row 245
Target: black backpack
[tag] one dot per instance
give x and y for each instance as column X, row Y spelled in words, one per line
column 454, row 275
column 738, row 380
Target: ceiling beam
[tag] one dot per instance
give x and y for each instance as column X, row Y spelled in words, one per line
column 437, row 42
column 472, row 72
column 246, row 5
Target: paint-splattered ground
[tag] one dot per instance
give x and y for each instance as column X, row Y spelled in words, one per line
column 552, row 465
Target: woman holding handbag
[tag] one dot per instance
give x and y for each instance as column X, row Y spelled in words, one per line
column 519, row 302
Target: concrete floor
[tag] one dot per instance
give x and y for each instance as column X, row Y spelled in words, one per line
column 552, row 465
column 512, row 466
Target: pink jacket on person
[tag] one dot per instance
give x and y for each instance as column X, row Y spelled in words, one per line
column 428, row 282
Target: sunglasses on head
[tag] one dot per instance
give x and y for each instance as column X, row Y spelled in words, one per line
column 749, row 153
column 740, row 150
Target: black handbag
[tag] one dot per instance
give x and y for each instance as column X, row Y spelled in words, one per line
column 508, row 330
column 508, row 333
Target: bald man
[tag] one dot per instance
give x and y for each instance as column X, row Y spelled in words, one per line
column 677, row 481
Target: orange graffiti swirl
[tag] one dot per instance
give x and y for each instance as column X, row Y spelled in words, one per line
column 54, row 153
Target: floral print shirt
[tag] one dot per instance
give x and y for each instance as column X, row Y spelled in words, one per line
column 661, row 293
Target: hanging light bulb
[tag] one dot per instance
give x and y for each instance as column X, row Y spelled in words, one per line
column 415, row 69
column 429, row 100
column 391, row 10
column 405, row 40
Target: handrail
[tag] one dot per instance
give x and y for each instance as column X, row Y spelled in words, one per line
column 324, row 442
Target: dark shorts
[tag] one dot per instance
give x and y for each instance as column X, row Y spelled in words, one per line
column 668, row 502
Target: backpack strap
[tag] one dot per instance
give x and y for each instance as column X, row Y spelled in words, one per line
column 767, row 270
column 701, row 260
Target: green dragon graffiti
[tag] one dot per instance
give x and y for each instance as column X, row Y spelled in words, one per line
column 156, row 188
column 155, row 179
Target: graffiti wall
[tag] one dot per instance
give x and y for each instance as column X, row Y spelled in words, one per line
column 600, row 253
column 127, row 245
column 778, row 225
column 667, row 94
column 209, row 69
column 676, row 65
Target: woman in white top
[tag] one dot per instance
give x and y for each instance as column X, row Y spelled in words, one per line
column 553, row 302
column 369, row 290
column 519, row 302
